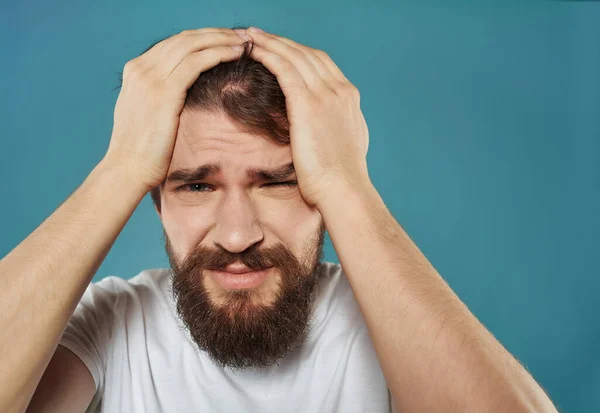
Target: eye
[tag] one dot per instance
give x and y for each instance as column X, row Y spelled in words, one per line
column 201, row 187
column 286, row 183
column 193, row 188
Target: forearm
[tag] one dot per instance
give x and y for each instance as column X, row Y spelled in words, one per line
column 44, row 277
column 435, row 354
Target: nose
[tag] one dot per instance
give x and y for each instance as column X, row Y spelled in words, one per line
column 237, row 224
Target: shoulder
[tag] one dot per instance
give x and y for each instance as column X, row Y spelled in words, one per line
column 333, row 285
column 147, row 279
column 335, row 302
column 113, row 292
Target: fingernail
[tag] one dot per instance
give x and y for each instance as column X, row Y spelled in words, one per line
column 244, row 36
column 237, row 48
column 242, row 31
column 256, row 30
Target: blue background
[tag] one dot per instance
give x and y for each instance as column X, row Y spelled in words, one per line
column 485, row 143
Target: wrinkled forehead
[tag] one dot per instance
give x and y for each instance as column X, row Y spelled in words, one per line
column 209, row 138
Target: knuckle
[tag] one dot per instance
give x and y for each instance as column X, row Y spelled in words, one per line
column 131, row 65
column 206, row 54
column 131, row 68
column 321, row 54
column 135, row 73
column 351, row 90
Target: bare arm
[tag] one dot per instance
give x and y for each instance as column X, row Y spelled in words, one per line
column 43, row 278
column 435, row 355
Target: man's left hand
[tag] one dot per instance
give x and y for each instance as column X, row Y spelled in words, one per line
column 328, row 132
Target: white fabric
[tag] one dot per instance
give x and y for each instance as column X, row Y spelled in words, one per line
column 142, row 359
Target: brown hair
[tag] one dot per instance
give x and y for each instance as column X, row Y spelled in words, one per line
column 246, row 92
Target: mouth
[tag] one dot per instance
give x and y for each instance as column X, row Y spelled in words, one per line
column 238, row 279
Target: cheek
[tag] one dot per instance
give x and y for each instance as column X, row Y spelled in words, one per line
column 289, row 221
column 292, row 223
column 185, row 225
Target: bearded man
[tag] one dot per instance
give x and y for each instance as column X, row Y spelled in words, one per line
column 252, row 146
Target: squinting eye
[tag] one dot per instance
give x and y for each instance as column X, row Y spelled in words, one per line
column 286, row 183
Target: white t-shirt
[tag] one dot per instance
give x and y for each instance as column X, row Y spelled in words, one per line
column 142, row 359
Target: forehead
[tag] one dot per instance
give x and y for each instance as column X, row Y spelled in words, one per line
column 207, row 137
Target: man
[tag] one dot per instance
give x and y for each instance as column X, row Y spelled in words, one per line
column 251, row 145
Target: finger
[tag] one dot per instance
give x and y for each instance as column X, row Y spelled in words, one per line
column 312, row 55
column 154, row 49
column 333, row 68
column 287, row 74
column 186, row 43
column 323, row 57
column 310, row 74
column 188, row 71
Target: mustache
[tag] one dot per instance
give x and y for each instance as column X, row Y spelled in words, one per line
column 253, row 258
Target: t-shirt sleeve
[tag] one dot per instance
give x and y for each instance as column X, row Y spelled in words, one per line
column 88, row 332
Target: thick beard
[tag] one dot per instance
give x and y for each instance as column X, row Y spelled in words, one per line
column 240, row 333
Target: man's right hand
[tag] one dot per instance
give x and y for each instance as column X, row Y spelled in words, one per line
column 153, row 94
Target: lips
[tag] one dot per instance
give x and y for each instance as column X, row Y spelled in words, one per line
column 243, row 279
column 237, row 268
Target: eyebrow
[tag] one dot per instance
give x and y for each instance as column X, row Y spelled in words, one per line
column 202, row 172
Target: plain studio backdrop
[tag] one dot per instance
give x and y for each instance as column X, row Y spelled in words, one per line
column 484, row 126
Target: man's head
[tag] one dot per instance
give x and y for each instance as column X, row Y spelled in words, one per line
column 231, row 200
